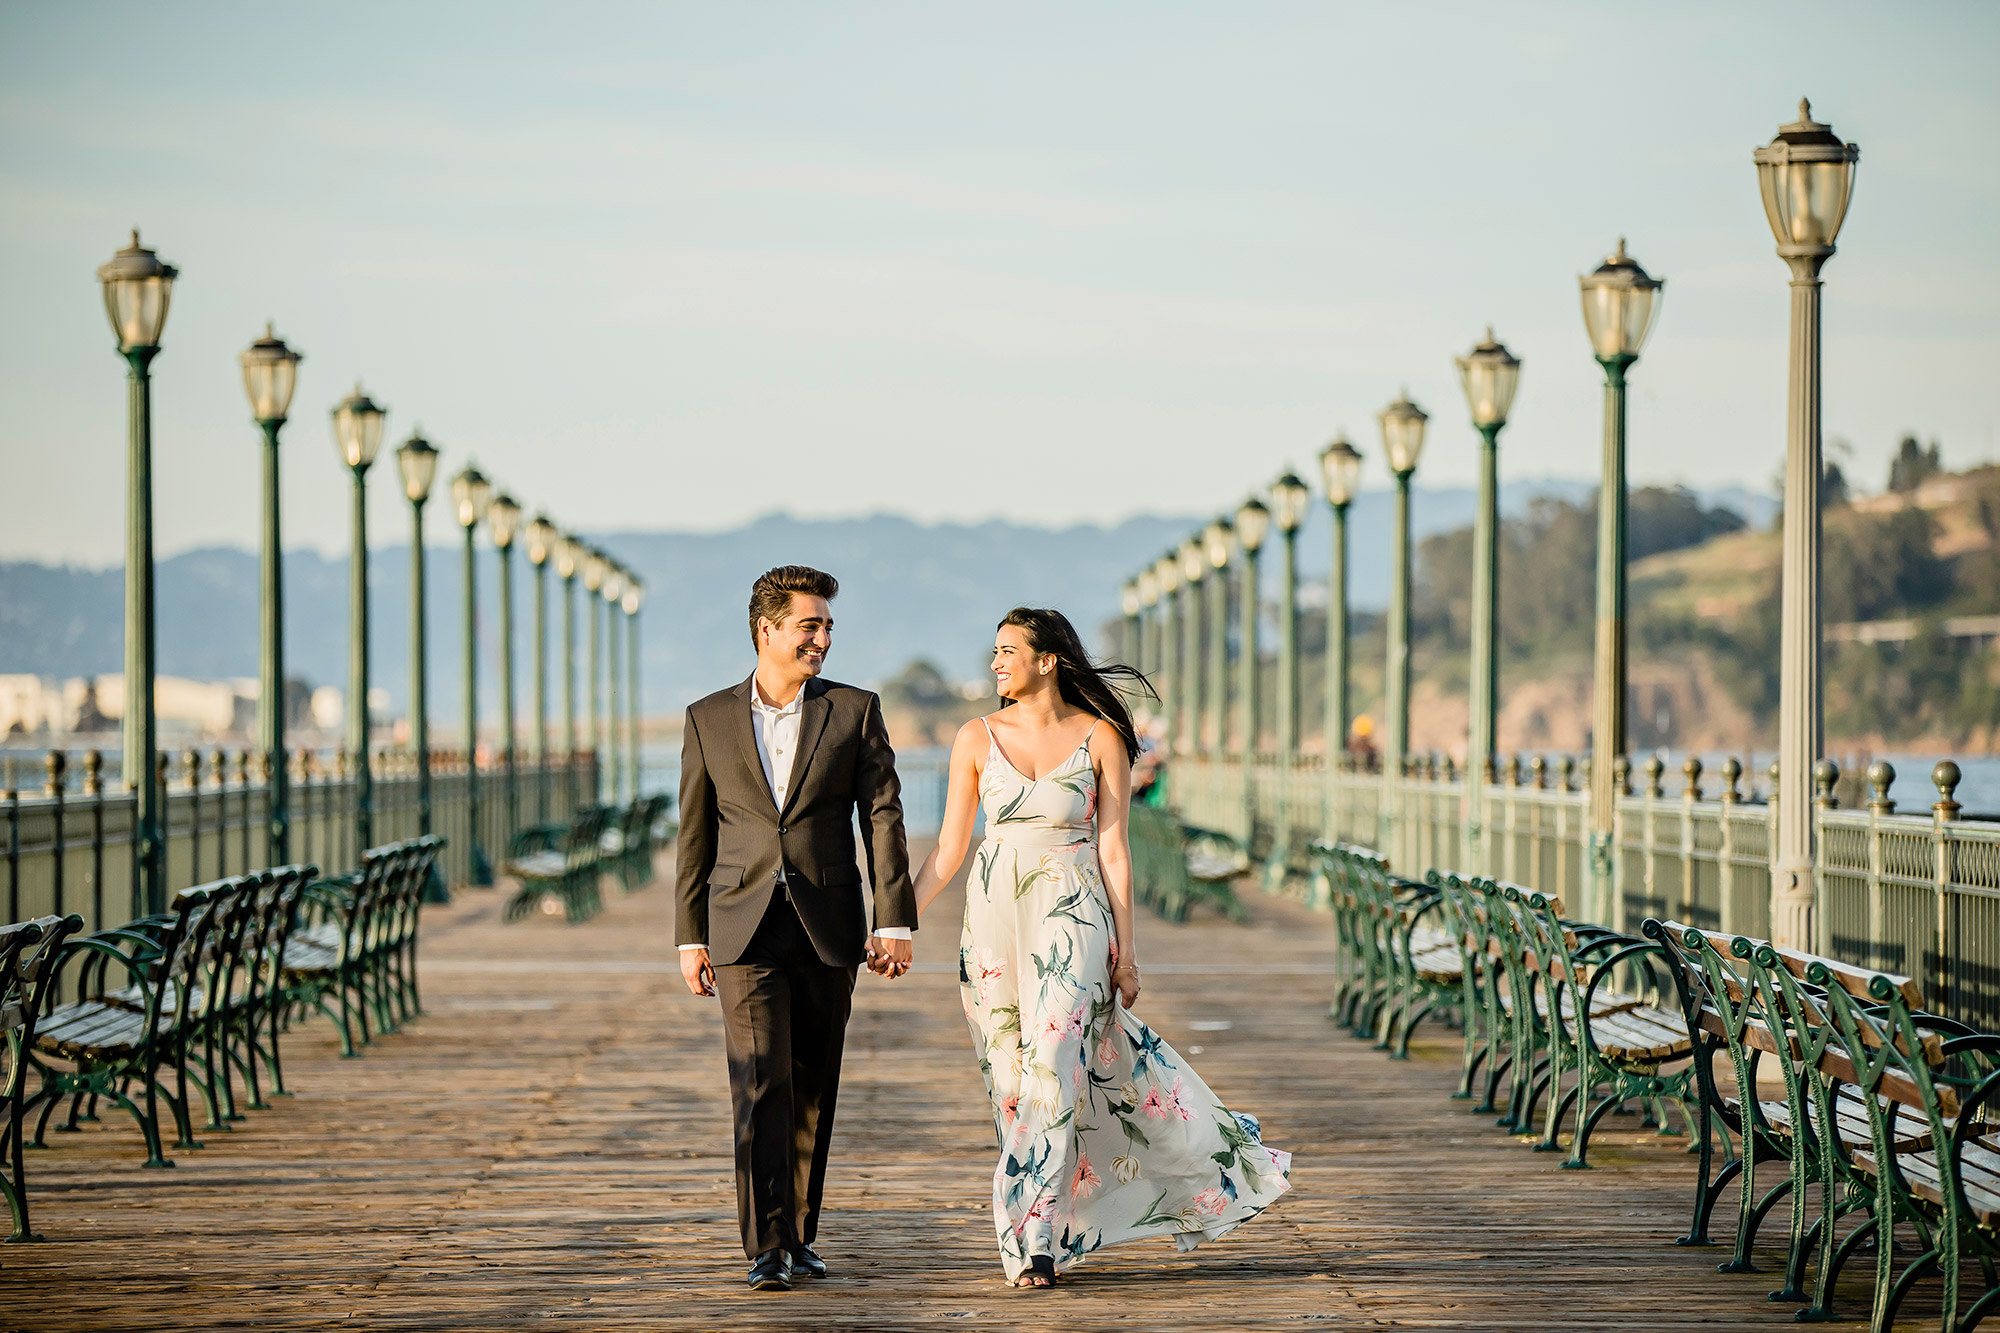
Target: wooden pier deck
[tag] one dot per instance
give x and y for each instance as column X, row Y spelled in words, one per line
column 548, row 1146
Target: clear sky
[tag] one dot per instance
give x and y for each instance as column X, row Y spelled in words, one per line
column 673, row 266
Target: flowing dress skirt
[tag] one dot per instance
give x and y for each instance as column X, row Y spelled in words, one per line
column 1106, row 1134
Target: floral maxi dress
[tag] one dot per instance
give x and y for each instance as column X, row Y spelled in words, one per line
column 1105, row 1132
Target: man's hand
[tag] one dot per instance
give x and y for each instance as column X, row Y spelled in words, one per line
column 697, row 971
column 889, row 958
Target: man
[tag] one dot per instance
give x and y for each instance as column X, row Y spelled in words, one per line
column 771, row 914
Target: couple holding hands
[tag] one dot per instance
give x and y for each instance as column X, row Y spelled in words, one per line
column 1105, row 1133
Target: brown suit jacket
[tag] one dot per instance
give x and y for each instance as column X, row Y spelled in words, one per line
column 734, row 840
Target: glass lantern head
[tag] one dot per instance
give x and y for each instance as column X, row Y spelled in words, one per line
column 1806, row 175
column 1490, row 376
column 1340, row 467
column 1215, row 542
column 1402, row 423
column 270, row 373
column 470, row 491
column 417, row 461
column 542, row 539
column 503, row 515
column 1253, row 524
column 137, row 289
column 1289, row 498
column 1620, row 302
column 357, row 429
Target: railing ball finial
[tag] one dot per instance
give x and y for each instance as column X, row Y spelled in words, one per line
column 1450, row 769
column 242, row 768
column 1656, row 768
column 1881, row 776
column 93, row 772
column 1732, row 773
column 1691, row 771
column 1486, row 769
column 1826, row 775
column 1945, row 778
column 1568, row 772
column 1772, row 773
column 218, row 763
column 1621, row 774
column 191, row 764
column 58, row 764
column 1539, row 766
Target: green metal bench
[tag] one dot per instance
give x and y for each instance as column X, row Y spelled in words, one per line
column 1176, row 867
column 558, row 866
column 27, row 957
column 353, row 954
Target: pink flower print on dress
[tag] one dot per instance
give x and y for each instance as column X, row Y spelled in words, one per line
column 1011, row 1107
column 1155, row 1104
column 1211, row 1201
column 991, row 968
column 1090, row 804
column 1084, row 1181
column 1174, row 1102
column 1107, row 1051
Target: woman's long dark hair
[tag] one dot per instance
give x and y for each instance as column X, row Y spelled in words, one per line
column 1081, row 682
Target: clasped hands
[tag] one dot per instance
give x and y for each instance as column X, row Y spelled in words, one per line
column 886, row 958
column 889, row 958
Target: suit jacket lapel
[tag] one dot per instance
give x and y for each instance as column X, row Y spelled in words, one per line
column 812, row 721
column 743, row 730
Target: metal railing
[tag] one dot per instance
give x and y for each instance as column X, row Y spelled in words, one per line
column 1907, row 893
column 68, row 847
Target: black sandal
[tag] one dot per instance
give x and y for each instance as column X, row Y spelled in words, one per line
column 1039, row 1266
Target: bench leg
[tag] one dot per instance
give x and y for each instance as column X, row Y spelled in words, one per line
column 1580, row 1145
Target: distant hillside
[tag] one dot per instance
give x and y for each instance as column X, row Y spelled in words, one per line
column 909, row 591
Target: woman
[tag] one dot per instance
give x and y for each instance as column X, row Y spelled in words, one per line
column 1105, row 1133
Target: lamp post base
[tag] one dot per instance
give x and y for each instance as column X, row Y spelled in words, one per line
column 1792, row 899
column 1603, row 879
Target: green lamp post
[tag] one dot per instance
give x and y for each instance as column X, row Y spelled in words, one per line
column 1402, row 425
column 1216, row 546
column 270, row 373
column 612, row 591
column 1340, row 468
column 1167, row 575
column 542, row 541
column 635, row 596
column 1147, row 656
column 1490, row 376
column 417, row 460
column 595, row 567
column 1253, row 526
column 1806, row 175
column 470, row 492
column 503, row 518
column 1129, row 607
column 1289, row 498
column 1620, row 303
column 569, row 560
column 137, row 289
column 357, row 434
column 1194, row 567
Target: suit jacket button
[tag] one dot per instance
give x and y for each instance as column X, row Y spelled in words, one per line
column 781, row 831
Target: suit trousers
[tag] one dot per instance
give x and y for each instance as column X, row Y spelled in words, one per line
column 784, row 1016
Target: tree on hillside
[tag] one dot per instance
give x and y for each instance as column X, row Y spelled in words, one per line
column 1668, row 518
column 1880, row 565
column 1913, row 464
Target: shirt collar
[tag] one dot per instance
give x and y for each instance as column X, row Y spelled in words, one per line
column 757, row 701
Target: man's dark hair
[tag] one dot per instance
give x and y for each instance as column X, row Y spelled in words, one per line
column 771, row 594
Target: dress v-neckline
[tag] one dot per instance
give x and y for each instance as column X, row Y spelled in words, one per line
column 993, row 742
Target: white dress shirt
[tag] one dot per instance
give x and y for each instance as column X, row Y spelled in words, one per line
column 777, row 732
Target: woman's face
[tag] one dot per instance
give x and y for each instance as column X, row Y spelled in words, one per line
column 1017, row 671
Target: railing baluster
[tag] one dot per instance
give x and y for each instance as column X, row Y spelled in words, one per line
column 93, row 787
column 58, row 764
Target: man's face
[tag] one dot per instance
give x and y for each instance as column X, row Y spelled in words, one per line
column 801, row 641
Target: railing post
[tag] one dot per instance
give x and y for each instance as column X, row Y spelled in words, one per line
column 93, row 787
column 1881, row 776
column 1826, row 774
column 58, row 763
column 1690, row 793
column 1944, row 811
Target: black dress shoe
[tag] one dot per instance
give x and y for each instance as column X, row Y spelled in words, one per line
column 805, row 1261
column 771, row 1272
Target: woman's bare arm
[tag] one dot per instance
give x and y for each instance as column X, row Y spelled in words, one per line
column 961, row 808
column 1114, row 853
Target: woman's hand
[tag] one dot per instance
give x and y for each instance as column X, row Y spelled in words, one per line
column 1125, row 980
